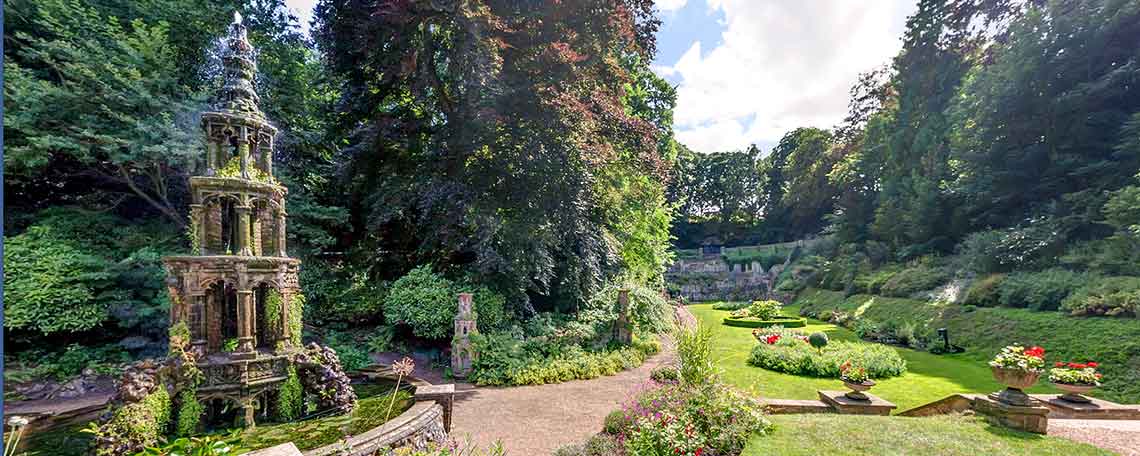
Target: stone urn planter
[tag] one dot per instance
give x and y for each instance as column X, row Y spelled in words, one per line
column 857, row 390
column 1074, row 393
column 1015, row 381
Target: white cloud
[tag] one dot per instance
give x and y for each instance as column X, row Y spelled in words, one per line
column 780, row 65
column 670, row 5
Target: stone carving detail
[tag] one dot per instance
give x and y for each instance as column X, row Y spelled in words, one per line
column 239, row 222
column 462, row 351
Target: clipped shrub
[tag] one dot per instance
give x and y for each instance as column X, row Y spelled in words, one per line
column 913, row 280
column 765, row 309
column 792, row 356
column 426, row 302
column 984, row 291
column 665, row 374
column 603, row 445
column 615, row 423
column 1040, row 290
column 422, row 300
column 1110, row 296
column 818, row 340
column 731, row 305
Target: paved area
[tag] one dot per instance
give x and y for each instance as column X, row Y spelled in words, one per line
column 1119, row 436
column 536, row 420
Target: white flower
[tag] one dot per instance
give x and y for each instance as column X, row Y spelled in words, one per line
column 17, row 421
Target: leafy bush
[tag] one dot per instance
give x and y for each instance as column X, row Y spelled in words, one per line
column 730, row 305
column 792, row 356
column 73, row 270
column 984, row 292
column 976, row 252
column 63, row 365
column 1040, row 290
column 765, row 309
column 913, row 280
column 649, row 311
column 872, row 282
column 615, row 423
column 694, row 352
column 504, row 360
column 1112, row 296
column 348, row 350
column 427, row 302
column 665, row 374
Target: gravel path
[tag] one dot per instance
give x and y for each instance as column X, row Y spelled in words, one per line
column 1120, row 436
column 536, row 420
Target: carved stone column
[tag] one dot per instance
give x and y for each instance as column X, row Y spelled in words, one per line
column 211, row 156
column 245, row 313
column 255, row 232
column 267, row 157
column 243, row 153
column 198, row 228
column 243, row 230
column 623, row 327
column 286, row 295
column 198, row 326
column 245, row 321
column 281, row 233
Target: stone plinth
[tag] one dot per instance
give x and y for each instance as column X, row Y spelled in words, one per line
column 874, row 405
column 792, row 406
column 1095, row 409
column 444, row 395
column 1033, row 418
column 284, row 449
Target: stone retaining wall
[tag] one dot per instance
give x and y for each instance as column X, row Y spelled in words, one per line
column 416, row 427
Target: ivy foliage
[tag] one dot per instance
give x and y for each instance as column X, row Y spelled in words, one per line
column 134, row 426
column 289, row 397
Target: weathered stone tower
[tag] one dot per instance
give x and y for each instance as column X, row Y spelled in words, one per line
column 236, row 290
column 462, row 352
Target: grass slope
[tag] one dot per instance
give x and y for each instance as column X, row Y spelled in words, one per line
column 928, row 378
column 1112, row 342
column 814, row 434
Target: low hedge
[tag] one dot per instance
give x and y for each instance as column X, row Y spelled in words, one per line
column 750, row 322
column 793, row 356
column 1111, row 342
column 507, row 369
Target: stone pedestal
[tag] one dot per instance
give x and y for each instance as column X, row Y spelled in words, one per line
column 444, row 395
column 874, row 405
column 1033, row 418
column 623, row 327
column 1095, row 409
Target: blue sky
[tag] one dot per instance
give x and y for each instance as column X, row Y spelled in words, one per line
column 747, row 71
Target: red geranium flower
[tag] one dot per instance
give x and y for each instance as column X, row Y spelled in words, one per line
column 1035, row 351
column 1058, row 364
column 1092, row 364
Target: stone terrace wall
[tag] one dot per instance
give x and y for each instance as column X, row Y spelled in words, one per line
column 712, row 279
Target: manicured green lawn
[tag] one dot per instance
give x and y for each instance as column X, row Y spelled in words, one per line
column 816, row 434
column 929, row 377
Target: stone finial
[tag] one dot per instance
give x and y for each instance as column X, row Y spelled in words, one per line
column 237, row 95
column 462, row 350
column 623, row 326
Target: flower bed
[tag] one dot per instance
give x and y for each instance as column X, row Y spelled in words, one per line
column 677, row 419
column 753, row 322
column 793, row 356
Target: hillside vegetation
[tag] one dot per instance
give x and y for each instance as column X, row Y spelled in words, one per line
column 983, row 331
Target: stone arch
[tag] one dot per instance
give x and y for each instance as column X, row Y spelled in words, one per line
column 220, row 220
